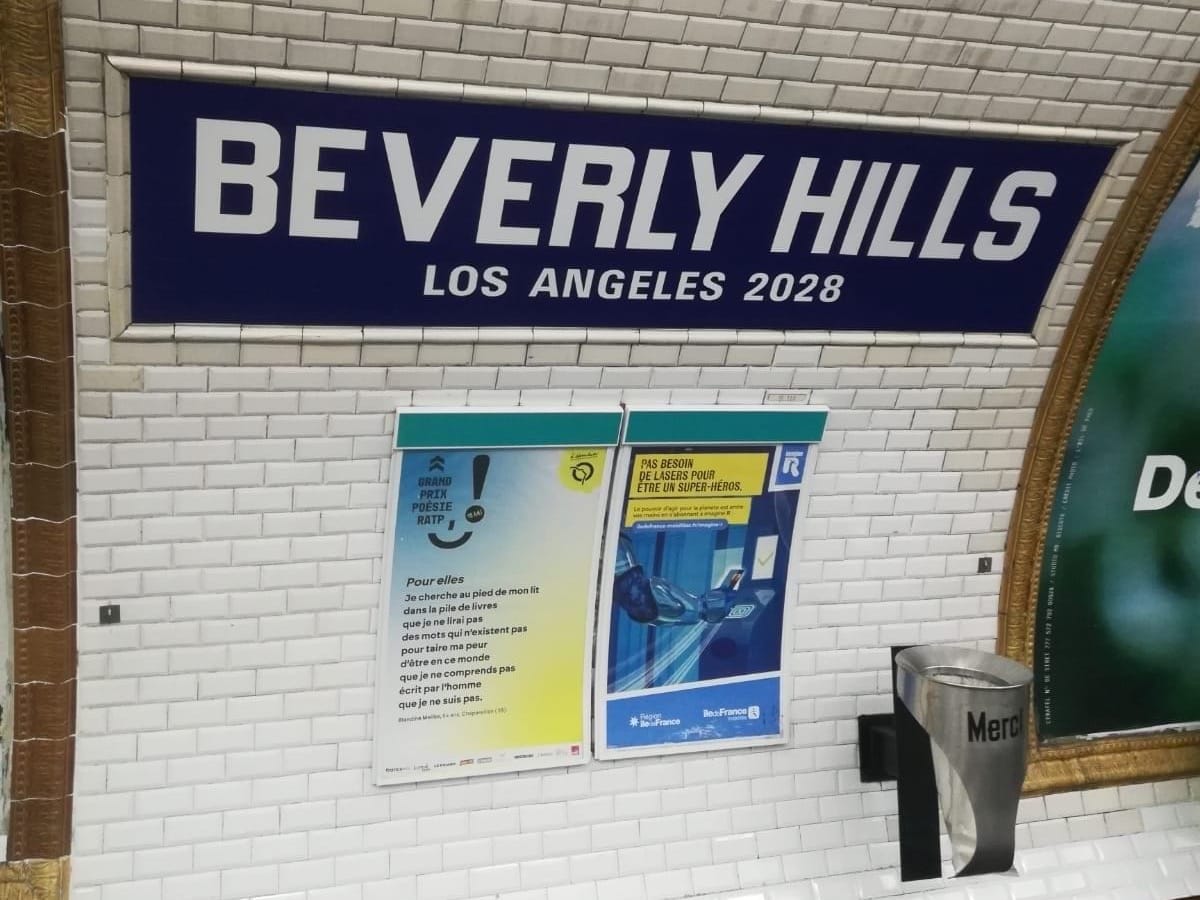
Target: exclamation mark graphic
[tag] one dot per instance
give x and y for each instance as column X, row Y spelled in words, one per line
column 474, row 513
column 479, row 471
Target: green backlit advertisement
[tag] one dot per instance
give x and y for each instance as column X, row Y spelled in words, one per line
column 1118, row 631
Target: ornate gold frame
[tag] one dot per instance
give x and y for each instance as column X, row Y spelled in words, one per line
column 38, row 363
column 1082, row 764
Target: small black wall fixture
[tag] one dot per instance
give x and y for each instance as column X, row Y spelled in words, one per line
column 877, row 747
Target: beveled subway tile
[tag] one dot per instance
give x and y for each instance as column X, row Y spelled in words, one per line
column 32, row 162
column 34, row 86
column 43, row 492
column 47, row 439
column 42, row 768
column 43, row 710
column 39, row 828
column 39, row 331
column 44, row 547
column 35, row 878
column 40, row 385
column 33, row 220
column 44, row 654
column 36, row 276
column 44, row 601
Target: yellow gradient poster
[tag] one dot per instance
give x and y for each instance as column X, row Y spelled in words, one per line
column 489, row 611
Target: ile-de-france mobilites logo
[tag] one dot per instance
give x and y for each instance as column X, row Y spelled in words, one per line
column 581, row 469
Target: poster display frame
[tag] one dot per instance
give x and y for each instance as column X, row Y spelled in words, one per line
column 641, row 429
column 1164, row 752
column 476, row 428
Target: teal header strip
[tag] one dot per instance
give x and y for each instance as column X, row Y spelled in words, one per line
column 733, row 426
column 416, row 430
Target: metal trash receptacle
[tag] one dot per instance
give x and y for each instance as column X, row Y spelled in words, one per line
column 974, row 706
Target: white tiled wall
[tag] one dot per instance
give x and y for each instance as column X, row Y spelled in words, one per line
column 232, row 491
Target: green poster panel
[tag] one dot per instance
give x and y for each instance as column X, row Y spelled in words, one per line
column 1118, row 615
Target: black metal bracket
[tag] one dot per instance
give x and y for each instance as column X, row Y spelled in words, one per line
column 894, row 747
column 877, row 747
column 916, row 793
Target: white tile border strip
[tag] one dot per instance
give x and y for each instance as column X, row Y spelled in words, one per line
column 117, row 111
column 308, row 335
column 370, row 84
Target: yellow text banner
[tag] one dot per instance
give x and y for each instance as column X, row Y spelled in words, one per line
column 698, row 474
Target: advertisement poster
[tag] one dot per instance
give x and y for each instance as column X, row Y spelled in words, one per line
column 1118, row 613
column 256, row 205
column 486, row 629
column 692, row 621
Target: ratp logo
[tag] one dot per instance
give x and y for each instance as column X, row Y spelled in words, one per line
column 792, row 465
column 787, row 473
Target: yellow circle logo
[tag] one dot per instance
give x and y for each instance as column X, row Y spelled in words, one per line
column 581, row 470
